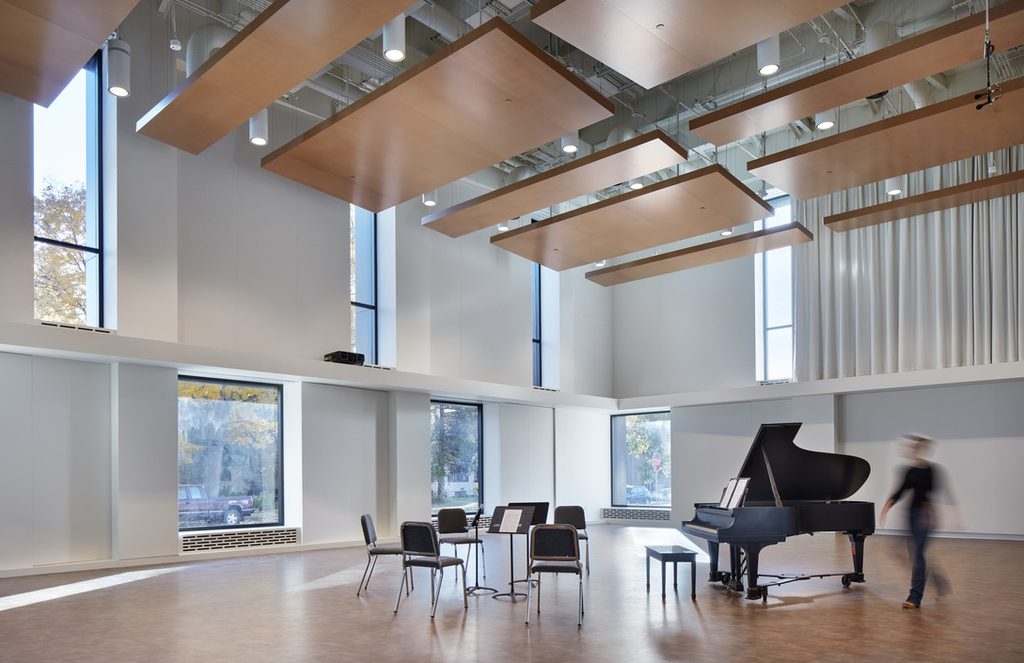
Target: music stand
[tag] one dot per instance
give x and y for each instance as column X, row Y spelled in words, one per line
column 540, row 516
column 519, row 520
column 476, row 557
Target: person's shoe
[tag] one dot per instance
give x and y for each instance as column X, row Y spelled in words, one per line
column 910, row 604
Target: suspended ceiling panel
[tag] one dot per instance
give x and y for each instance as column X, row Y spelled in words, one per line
column 929, row 136
column 933, row 201
column 632, row 158
column 490, row 95
column 736, row 246
column 44, row 43
column 625, row 34
column 284, row 45
column 684, row 206
column 911, row 59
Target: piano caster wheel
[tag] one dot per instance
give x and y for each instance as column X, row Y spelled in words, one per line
column 847, row 580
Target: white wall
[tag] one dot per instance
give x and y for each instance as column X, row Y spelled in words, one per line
column 15, row 209
column 408, row 460
column 586, row 335
column 527, row 454
column 980, row 444
column 686, row 331
column 583, row 460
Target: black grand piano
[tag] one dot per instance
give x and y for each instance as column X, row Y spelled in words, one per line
column 791, row 491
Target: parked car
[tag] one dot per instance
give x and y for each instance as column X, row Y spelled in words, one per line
column 638, row 495
column 193, row 504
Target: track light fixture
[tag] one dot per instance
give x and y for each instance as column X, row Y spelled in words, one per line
column 636, row 183
column 600, row 263
column 429, row 199
column 893, row 186
column 570, row 143
column 119, row 67
column 394, row 39
column 825, row 120
column 768, row 56
column 726, row 233
column 503, row 227
column 259, row 128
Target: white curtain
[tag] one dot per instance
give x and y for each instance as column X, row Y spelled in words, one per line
column 932, row 291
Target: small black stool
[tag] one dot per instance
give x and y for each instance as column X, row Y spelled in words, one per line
column 674, row 554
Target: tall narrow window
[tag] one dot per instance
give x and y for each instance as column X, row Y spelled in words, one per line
column 363, row 254
column 229, row 454
column 642, row 459
column 538, row 364
column 68, row 210
column 773, row 303
column 456, row 455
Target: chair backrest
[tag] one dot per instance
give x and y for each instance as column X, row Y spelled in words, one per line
column 451, row 521
column 554, row 543
column 419, row 539
column 369, row 531
column 571, row 515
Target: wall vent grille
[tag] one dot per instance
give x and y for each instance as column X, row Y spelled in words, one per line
column 623, row 513
column 239, row 539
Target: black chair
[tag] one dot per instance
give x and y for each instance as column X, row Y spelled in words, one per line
column 575, row 516
column 453, row 523
column 420, row 548
column 373, row 551
column 554, row 549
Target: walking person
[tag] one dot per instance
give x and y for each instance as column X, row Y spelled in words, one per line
column 922, row 480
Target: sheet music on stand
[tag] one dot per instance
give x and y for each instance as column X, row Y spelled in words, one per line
column 735, row 491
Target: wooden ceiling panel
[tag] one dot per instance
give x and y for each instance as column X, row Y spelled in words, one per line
column 632, row 158
column 44, row 43
column 684, row 206
column 624, row 34
column 736, row 246
column 911, row 59
column 933, row 201
column 488, row 96
column 286, row 44
column 929, row 136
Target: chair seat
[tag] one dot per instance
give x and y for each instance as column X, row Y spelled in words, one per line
column 459, row 540
column 385, row 550
column 433, row 562
column 555, row 567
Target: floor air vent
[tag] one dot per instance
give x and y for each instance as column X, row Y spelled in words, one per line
column 238, row 539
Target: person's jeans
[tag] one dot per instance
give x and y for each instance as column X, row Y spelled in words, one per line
column 920, row 527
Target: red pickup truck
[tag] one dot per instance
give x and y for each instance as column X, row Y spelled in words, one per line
column 193, row 504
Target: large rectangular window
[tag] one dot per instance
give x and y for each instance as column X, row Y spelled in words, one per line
column 773, row 303
column 641, row 460
column 68, row 210
column 456, row 455
column 363, row 254
column 229, row 454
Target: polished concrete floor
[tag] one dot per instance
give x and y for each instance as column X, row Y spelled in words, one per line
column 303, row 607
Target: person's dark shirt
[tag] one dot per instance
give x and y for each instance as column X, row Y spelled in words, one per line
column 920, row 480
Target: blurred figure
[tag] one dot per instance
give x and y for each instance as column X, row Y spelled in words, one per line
column 922, row 480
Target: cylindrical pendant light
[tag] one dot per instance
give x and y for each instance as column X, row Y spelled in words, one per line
column 394, row 39
column 503, row 227
column 825, row 120
column 259, row 128
column 571, row 142
column 768, row 56
column 429, row 199
column 894, row 186
column 636, row 183
column 119, row 68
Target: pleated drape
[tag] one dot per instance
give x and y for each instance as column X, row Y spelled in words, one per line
column 932, row 291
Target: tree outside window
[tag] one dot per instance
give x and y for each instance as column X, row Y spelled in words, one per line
column 455, row 455
column 642, row 460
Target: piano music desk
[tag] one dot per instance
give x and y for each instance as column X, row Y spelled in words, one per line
column 674, row 554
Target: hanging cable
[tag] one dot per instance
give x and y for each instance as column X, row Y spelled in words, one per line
column 992, row 92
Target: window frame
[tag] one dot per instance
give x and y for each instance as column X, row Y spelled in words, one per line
column 375, row 287
column 479, row 453
column 611, row 458
column 94, row 138
column 537, row 333
column 280, row 446
column 761, row 264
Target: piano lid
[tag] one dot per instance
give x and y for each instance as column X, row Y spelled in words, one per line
column 799, row 474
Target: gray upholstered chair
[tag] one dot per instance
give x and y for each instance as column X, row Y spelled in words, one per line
column 453, row 528
column 373, row 551
column 554, row 549
column 575, row 516
column 420, row 549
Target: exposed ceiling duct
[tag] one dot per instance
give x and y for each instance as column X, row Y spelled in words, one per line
column 203, row 43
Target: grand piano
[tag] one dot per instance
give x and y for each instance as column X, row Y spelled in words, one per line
column 791, row 491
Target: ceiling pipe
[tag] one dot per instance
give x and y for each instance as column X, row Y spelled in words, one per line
column 203, row 43
column 441, row 21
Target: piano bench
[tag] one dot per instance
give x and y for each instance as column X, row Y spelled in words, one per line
column 673, row 554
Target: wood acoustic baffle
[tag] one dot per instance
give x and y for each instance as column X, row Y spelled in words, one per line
column 657, row 40
column 911, row 59
column 632, row 158
column 929, row 136
column 736, row 246
column 284, row 45
column 43, row 45
column 488, row 96
column 932, row 201
column 677, row 208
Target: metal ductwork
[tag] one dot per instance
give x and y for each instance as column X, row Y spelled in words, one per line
column 441, row 21
column 203, row 43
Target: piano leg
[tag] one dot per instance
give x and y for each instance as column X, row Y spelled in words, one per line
column 735, row 581
column 713, row 555
column 857, row 548
column 754, row 591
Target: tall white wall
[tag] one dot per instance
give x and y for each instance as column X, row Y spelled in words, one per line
column 586, row 335
column 687, row 331
column 583, row 460
column 980, row 444
column 408, row 460
column 527, row 454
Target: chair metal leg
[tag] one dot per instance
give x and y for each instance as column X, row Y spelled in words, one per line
column 529, row 594
column 405, row 580
column 465, row 592
column 372, row 567
column 433, row 575
column 369, row 560
column 436, row 595
column 539, row 576
column 579, row 622
column 588, row 555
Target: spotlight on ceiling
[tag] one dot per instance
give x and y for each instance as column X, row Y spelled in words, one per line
column 175, row 44
column 768, row 56
column 600, row 263
column 726, row 233
column 993, row 169
column 636, row 183
column 825, row 120
column 503, row 227
column 893, row 186
column 259, row 131
column 430, row 199
column 119, row 68
column 570, row 143
column 394, row 39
